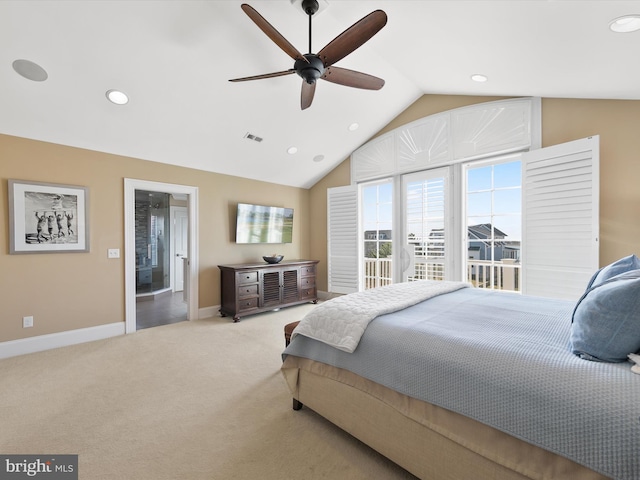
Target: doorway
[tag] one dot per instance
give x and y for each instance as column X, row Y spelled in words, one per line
column 160, row 262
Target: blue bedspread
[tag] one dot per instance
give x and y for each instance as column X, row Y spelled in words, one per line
column 503, row 360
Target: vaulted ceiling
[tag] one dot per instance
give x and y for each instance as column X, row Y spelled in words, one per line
column 174, row 59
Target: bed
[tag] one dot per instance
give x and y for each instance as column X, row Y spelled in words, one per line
column 468, row 383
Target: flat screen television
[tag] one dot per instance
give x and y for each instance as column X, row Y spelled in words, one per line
column 262, row 224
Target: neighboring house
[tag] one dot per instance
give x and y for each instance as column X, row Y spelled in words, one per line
column 480, row 245
column 382, row 247
column 377, row 235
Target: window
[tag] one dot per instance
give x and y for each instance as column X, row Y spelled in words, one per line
column 538, row 237
column 494, row 224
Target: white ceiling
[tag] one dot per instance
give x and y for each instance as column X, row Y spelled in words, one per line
column 174, row 59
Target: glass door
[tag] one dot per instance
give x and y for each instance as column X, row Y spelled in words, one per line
column 377, row 234
column 152, row 241
column 426, row 253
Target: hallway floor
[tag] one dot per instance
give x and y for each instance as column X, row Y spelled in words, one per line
column 165, row 309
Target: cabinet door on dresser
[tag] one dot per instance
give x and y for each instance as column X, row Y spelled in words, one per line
column 290, row 286
column 270, row 288
column 279, row 287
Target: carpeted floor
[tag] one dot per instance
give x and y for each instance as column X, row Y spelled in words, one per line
column 192, row 400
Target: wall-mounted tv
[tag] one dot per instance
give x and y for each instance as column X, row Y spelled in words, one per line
column 262, row 224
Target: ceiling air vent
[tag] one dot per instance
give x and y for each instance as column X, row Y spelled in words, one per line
column 253, row 137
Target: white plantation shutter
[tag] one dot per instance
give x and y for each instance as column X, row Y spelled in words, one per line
column 342, row 254
column 560, row 218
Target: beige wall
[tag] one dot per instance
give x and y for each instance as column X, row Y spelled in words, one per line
column 66, row 291
column 563, row 120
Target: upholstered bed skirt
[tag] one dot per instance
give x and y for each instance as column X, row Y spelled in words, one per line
column 430, row 442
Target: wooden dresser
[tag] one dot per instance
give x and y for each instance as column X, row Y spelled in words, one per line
column 250, row 288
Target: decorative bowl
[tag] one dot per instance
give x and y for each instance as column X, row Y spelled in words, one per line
column 273, row 258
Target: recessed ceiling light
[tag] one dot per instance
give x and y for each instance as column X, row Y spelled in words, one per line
column 318, row 158
column 479, row 78
column 117, row 97
column 30, row 70
column 626, row 24
column 353, row 127
column 292, row 150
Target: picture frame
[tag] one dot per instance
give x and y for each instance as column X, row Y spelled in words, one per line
column 48, row 217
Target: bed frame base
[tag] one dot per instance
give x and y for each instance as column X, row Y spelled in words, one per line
column 427, row 450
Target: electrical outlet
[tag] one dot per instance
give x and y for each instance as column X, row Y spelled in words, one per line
column 113, row 253
column 27, row 321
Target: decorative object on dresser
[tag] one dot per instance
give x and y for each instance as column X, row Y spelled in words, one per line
column 250, row 288
column 275, row 258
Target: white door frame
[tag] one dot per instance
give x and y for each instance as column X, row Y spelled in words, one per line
column 130, row 187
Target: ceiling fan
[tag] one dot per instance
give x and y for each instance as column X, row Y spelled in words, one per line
column 312, row 66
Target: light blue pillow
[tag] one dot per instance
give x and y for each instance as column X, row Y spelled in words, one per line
column 625, row 264
column 606, row 321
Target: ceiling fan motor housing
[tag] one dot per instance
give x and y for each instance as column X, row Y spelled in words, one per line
column 310, row 7
column 311, row 71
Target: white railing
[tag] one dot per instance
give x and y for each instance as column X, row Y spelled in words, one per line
column 503, row 275
column 377, row 272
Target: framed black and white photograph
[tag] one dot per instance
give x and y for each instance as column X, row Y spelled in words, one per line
column 48, row 218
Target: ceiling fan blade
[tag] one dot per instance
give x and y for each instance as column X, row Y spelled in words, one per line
column 308, row 91
column 351, row 78
column 272, row 33
column 353, row 37
column 266, row 75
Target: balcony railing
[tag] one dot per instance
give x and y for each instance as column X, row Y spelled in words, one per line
column 377, row 272
column 502, row 275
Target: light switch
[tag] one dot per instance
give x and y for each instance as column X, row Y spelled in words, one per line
column 113, row 253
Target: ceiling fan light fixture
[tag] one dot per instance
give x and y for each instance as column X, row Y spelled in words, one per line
column 625, row 24
column 117, row 97
column 311, row 69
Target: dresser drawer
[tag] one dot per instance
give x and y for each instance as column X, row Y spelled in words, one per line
column 307, row 270
column 247, row 304
column 308, row 293
column 247, row 291
column 306, row 282
column 246, row 277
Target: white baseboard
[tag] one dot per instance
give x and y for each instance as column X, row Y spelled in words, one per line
column 208, row 312
column 40, row 343
column 325, row 295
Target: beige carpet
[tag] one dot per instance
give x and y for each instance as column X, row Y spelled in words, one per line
column 192, row 400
